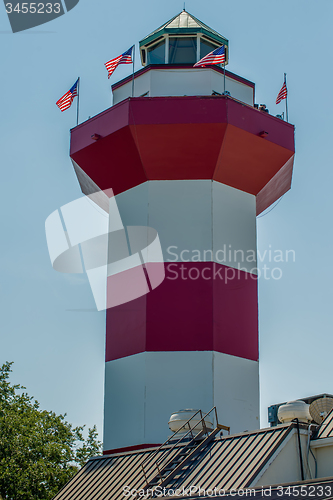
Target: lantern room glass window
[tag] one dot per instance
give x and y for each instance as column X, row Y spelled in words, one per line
column 156, row 54
column 182, row 50
column 206, row 47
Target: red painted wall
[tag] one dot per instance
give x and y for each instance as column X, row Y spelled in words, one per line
column 215, row 310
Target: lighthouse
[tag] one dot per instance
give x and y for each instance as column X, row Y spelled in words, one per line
column 185, row 151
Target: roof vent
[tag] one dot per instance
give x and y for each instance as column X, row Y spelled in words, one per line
column 179, row 418
column 294, row 409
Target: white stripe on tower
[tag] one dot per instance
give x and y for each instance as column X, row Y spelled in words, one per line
column 193, row 341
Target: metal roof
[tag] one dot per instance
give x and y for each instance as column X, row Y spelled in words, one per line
column 229, row 462
column 184, row 23
column 234, row 461
column 326, row 428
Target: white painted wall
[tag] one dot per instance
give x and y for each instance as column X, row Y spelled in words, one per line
column 181, row 213
column 325, row 461
column 237, row 89
column 284, row 467
column 236, row 392
column 141, row 392
column 193, row 217
column 124, row 402
column 234, row 227
column 180, row 82
column 323, row 451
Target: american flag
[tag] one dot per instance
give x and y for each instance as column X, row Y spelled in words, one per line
column 125, row 58
column 66, row 100
column 217, row 56
column 282, row 94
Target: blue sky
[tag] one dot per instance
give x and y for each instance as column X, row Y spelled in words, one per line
column 59, row 351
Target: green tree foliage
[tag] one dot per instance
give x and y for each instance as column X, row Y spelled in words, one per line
column 39, row 450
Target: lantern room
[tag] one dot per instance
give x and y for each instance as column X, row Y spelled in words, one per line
column 184, row 39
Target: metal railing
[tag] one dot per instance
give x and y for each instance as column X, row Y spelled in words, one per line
column 169, row 451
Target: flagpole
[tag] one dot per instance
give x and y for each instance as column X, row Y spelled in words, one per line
column 133, row 71
column 78, row 100
column 285, row 81
column 224, row 75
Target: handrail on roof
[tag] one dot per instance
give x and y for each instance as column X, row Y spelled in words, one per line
column 174, row 434
column 171, row 438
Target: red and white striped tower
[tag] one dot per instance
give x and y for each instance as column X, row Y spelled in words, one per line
column 197, row 165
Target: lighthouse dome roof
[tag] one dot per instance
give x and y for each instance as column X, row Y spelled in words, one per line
column 184, row 23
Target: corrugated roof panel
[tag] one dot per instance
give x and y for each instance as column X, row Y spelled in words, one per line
column 209, row 463
column 242, row 462
column 229, row 462
column 223, row 462
column 128, row 473
column 84, row 480
column 230, row 477
column 259, row 455
column 193, row 474
column 326, row 428
column 114, row 487
column 234, row 461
